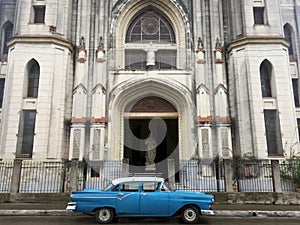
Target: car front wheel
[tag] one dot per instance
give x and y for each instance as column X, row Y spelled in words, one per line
column 190, row 214
column 104, row 215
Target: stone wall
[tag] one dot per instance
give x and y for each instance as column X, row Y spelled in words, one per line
column 287, row 198
column 269, row 198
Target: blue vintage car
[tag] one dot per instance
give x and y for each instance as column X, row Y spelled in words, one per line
column 141, row 196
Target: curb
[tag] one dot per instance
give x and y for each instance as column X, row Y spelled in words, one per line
column 16, row 212
column 225, row 213
column 256, row 213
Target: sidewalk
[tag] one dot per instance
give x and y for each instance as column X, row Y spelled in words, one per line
column 234, row 210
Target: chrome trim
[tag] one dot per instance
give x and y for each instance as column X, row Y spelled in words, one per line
column 207, row 212
column 71, row 206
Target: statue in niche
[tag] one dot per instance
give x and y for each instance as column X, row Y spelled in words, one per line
column 150, row 155
column 150, row 55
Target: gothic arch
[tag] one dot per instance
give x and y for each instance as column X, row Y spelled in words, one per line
column 125, row 14
column 79, row 98
column 135, row 90
column 7, row 33
column 289, row 35
column 203, row 103
column 31, row 79
column 267, row 79
column 222, row 112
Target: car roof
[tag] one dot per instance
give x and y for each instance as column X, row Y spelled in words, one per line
column 126, row 179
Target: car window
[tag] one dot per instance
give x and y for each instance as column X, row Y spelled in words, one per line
column 108, row 187
column 165, row 187
column 150, row 186
column 130, row 186
column 116, row 188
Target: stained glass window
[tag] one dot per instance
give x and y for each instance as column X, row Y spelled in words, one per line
column 150, row 26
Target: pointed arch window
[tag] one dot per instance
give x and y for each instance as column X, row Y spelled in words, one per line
column 265, row 79
column 150, row 42
column 289, row 36
column 33, row 79
column 150, row 26
column 8, row 33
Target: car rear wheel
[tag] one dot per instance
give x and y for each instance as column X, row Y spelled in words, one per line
column 104, row 215
column 190, row 214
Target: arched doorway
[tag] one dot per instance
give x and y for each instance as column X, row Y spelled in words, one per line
column 151, row 116
column 125, row 95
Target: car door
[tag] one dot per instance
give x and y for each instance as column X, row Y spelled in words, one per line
column 128, row 199
column 153, row 201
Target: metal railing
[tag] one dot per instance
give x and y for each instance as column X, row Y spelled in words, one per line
column 102, row 173
column 6, row 171
column 54, row 177
column 42, row 177
column 195, row 176
column 254, row 177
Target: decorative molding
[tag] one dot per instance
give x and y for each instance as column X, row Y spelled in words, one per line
column 202, row 86
column 260, row 40
column 204, row 119
column 41, row 39
column 222, row 119
column 219, row 86
column 78, row 87
column 98, row 120
column 152, row 104
column 78, row 120
column 97, row 87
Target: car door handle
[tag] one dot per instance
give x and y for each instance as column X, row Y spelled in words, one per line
column 143, row 194
column 121, row 194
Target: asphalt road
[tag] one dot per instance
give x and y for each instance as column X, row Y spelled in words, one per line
column 86, row 220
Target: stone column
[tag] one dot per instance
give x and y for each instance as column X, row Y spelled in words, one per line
column 15, row 180
column 74, row 175
column 276, row 176
column 228, row 175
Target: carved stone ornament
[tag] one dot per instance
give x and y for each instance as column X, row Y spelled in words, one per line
column 100, row 51
column 81, row 51
column 152, row 104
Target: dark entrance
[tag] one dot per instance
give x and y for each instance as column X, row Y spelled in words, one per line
column 167, row 149
column 138, row 116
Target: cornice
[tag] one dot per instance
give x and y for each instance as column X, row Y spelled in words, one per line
column 261, row 40
column 41, row 39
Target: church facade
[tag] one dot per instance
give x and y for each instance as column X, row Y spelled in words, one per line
column 195, row 79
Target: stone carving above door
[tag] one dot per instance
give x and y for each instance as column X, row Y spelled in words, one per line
column 152, row 104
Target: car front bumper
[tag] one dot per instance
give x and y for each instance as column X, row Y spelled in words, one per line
column 71, row 206
column 207, row 212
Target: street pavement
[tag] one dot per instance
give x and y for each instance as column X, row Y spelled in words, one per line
column 229, row 210
column 89, row 220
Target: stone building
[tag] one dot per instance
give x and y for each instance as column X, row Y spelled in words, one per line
column 93, row 79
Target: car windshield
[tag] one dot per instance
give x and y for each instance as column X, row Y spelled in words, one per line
column 108, row 187
column 165, row 187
